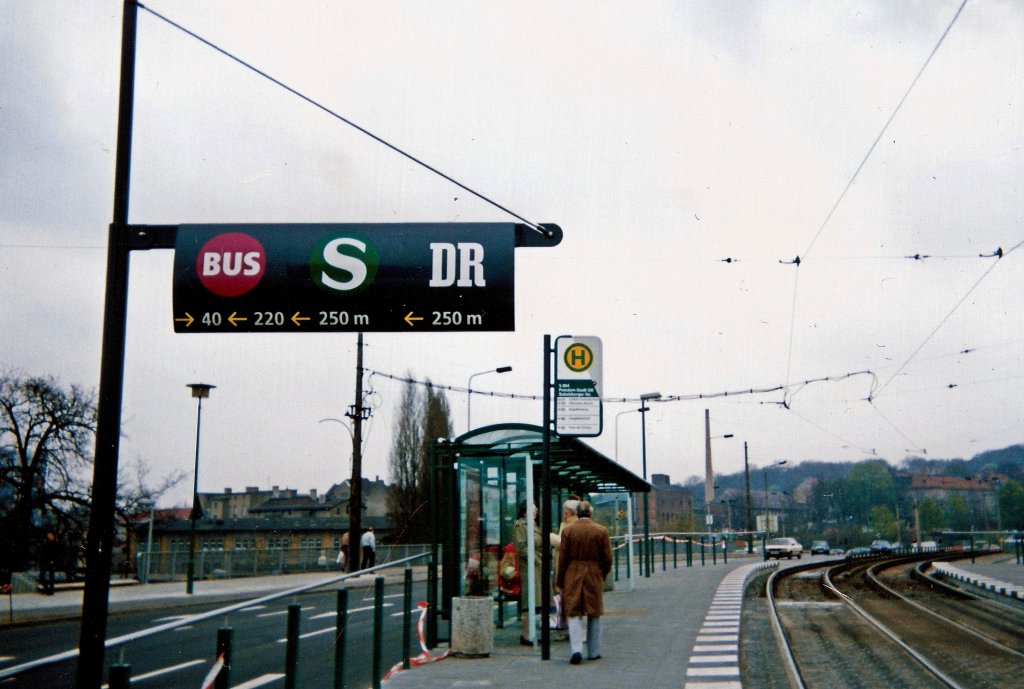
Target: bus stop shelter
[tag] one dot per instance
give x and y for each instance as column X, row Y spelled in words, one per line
column 478, row 481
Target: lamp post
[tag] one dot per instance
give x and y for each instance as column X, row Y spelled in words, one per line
column 469, row 390
column 200, row 391
column 747, row 506
column 709, row 473
column 343, row 425
column 767, row 524
column 628, row 411
column 643, row 455
column 728, row 506
column 148, row 505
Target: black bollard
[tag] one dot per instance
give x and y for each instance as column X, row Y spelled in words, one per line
column 431, row 604
column 120, row 676
column 341, row 626
column 407, row 617
column 224, row 635
column 291, row 653
column 378, row 629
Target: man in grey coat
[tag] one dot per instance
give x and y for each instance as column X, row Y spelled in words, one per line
column 584, row 560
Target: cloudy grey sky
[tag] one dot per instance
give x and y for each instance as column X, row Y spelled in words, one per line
column 663, row 137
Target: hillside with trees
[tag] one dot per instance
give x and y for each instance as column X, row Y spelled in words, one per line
column 852, row 503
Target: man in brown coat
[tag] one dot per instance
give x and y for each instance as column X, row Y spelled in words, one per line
column 584, row 560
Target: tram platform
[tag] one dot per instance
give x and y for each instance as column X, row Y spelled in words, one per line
column 997, row 572
column 677, row 628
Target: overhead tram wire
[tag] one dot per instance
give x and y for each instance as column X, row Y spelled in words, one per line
column 625, row 400
column 853, row 178
column 536, row 227
column 916, row 447
column 999, row 256
column 841, row 439
column 885, row 127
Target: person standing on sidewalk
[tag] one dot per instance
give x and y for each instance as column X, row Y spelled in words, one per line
column 584, row 560
column 369, row 545
column 49, row 553
column 527, row 576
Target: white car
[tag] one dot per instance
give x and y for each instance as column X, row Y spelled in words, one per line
column 784, row 547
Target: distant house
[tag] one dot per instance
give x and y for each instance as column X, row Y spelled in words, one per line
column 981, row 494
column 280, row 523
column 669, row 507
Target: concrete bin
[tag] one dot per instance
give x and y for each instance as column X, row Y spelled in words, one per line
column 472, row 626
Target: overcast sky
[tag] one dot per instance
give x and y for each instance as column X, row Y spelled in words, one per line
column 663, row 137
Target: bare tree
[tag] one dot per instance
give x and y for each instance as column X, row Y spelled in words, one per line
column 136, row 494
column 47, row 435
column 422, row 418
column 46, row 439
column 404, row 460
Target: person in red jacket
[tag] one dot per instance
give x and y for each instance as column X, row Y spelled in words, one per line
column 584, row 560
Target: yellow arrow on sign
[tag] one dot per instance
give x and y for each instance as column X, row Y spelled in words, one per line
column 296, row 318
column 409, row 318
column 234, row 319
column 187, row 320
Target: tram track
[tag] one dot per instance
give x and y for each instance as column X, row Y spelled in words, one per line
column 869, row 623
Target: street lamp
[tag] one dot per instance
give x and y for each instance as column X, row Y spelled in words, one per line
column 628, row 411
column 148, row 504
column 469, row 389
column 748, row 508
column 200, row 391
column 728, row 506
column 767, row 524
column 643, row 455
column 343, row 425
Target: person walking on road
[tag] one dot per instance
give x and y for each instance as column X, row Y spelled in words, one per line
column 369, row 545
column 584, row 560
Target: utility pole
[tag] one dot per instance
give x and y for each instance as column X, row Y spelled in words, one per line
column 749, row 513
column 357, row 412
column 709, row 473
column 917, row 525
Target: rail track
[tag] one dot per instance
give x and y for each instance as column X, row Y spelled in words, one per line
column 885, row 622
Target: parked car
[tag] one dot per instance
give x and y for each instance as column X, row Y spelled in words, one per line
column 881, row 546
column 784, row 547
column 819, row 548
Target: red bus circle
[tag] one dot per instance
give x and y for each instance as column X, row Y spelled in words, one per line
column 231, row 264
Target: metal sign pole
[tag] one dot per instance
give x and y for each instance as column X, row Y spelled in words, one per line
column 545, row 528
column 93, row 632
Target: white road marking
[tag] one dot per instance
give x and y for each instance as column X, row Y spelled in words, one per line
column 162, row 671
column 259, row 681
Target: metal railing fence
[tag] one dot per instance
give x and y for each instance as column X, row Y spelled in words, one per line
column 171, row 565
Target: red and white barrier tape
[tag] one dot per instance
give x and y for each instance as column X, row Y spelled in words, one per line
column 212, row 674
column 422, row 658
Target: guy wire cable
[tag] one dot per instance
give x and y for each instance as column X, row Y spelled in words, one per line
column 536, row 227
column 853, row 177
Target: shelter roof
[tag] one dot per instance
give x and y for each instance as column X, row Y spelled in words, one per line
column 574, row 464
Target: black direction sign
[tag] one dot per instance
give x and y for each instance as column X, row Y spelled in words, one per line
column 408, row 277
